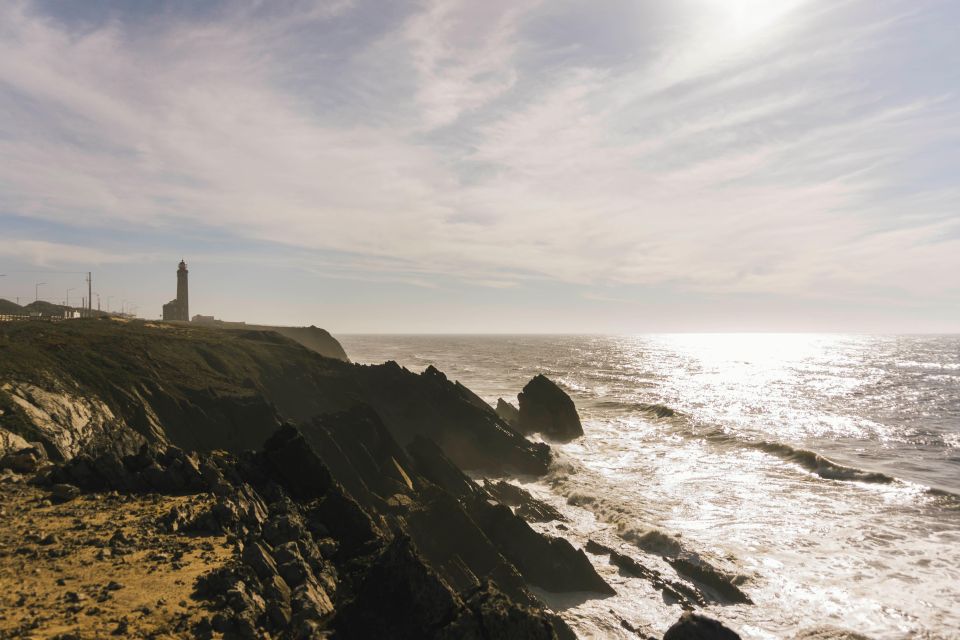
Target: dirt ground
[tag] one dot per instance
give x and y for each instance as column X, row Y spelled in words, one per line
column 98, row 566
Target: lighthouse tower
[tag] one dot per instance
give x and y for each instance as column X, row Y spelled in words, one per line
column 179, row 309
column 182, row 291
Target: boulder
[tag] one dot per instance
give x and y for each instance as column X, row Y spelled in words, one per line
column 546, row 409
column 693, row 626
column 26, row 460
column 507, row 412
column 63, row 492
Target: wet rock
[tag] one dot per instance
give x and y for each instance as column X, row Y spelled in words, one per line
column 545, row 408
column 703, row 573
column 680, row 593
column 693, row 626
column 528, row 507
column 552, row 564
column 507, row 412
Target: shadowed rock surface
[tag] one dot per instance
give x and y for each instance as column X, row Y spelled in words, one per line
column 337, row 490
column 94, row 385
column 411, row 561
column 507, row 412
column 546, row 409
column 693, row 626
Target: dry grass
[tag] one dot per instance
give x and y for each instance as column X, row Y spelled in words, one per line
column 57, row 563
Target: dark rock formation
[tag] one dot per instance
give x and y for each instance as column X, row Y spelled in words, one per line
column 546, row 409
column 436, row 559
column 693, row 626
column 97, row 385
column 552, row 564
column 26, row 460
column 677, row 592
column 527, row 507
column 507, row 412
column 710, row 577
column 430, row 405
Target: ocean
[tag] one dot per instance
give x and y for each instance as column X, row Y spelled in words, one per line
column 822, row 471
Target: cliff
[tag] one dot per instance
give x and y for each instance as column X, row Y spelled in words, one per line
column 105, row 384
column 357, row 521
column 297, row 495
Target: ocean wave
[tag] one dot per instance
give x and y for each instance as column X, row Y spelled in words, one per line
column 652, row 409
column 818, row 464
column 566, row 478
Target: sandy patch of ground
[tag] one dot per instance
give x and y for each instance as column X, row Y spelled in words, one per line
column 98, row 566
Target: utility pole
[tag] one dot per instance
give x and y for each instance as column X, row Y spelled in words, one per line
column 89, row 290
column 109, row 298
column 68, row 296
column 36, row 291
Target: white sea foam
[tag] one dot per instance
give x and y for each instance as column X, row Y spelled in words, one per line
column 801, row 466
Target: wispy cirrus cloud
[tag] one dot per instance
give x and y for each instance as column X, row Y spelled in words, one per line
column 786, row 147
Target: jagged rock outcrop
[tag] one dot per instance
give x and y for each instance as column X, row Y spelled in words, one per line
column 313, row 559
column 94, row 385
column 526, row 506
column 507, row 412
column 693, row 626
column 546, row 409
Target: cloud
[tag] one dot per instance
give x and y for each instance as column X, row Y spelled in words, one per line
column 49, row 254
column 715, row 158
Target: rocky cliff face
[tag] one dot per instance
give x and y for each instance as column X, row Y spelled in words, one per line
column 352, row 538
column 104, row 384
column 338, row 488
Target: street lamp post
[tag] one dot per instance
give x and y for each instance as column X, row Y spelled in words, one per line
column 36, row 291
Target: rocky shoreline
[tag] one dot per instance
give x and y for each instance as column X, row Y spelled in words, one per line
column 329, row 499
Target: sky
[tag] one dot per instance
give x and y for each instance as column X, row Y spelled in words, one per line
column 601, row 166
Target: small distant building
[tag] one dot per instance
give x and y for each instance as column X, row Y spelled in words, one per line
column 179, row 310
column 198, row 319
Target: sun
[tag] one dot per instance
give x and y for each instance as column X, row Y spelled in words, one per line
column 749, row 18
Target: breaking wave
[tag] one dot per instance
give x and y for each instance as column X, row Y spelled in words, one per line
column 819, row 465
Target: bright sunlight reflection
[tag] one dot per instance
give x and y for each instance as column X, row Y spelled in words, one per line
column 748, row 18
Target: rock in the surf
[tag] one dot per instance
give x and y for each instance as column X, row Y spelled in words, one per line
column 507, row 412
column 546, row 409
column 693, row 626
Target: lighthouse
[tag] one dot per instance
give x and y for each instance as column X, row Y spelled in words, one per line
column 179, row 309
